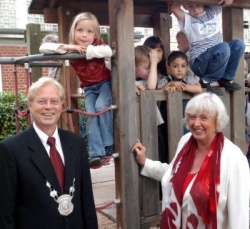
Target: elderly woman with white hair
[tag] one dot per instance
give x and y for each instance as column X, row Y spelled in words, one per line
column 207, row 183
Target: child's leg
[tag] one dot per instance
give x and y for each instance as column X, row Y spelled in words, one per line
column 95, row 143
column 210, row 65
column 237, row 48
column 105, row 120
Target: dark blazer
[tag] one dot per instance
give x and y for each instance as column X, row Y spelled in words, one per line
column 25, row 201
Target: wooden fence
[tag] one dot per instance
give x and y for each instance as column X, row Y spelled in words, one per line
column 149, row 190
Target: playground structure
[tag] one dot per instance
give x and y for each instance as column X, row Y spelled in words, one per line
column 148, row 130
column 139, row 204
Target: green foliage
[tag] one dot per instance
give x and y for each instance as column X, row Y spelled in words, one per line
column 7, row 114
column 81, row 105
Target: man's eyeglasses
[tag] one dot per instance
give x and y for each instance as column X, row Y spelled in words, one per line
column 43, row 102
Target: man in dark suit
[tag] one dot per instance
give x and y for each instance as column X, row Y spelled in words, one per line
column 30, row 193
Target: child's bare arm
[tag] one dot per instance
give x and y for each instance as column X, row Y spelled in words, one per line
column 167, row 85
column 193, row 88
column 174, row 86
column 177, row 11
column 153, row 75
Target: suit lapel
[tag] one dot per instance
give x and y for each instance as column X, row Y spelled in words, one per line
column 41, row 159
column 69, row 158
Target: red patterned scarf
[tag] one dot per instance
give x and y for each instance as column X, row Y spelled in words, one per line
column 204, row 189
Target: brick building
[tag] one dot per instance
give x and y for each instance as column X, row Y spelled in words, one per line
column 6, row 71
column 14, row 18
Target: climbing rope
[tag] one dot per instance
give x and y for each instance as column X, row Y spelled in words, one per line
column 68, row 110
column 101, row 207
column 85, row 113
column 22, row 113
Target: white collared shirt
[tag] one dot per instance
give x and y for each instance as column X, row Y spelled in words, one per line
column 44, row 137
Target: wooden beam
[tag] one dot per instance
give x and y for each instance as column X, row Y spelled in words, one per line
column 149, row 137
column 50, row 15
column 161, row 27
column 174, row 117
column 233, row 28
column 236, row 3
column 125, row 129
column 53, row 3
column 33, row 37
column 65, row 17
column 146, row 8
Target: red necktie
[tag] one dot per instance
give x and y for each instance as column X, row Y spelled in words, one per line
column 56, row 161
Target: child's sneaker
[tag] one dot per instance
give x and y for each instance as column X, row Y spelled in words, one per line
column 109, row 150
column 94, row 161
column 230, row 85
column 212, row 87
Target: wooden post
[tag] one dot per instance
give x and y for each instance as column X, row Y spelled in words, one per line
column 149, row 137
column 33, row 37
column 174, row 117
column 65, row 18
column 162, row 24
column 233, row 18
column 121, row 20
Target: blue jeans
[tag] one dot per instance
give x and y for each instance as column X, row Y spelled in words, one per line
column 99, row 128
column 219, row 61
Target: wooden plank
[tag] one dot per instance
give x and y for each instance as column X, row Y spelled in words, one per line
column 233, row 18
column 123, row 82
column 161, row 28
column 37, row 6
column 144, row 8
column 138, row 134
column 33, row 37
column 53, row 3
column 226, row 100
column 50, row 15
column 142, row 12
column 145, row 226
column 236, row 3
column 65, row 17
column 174, row 123
column 149, row 137
column 150, row 219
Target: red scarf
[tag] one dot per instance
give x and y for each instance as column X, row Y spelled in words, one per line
column 204, row 189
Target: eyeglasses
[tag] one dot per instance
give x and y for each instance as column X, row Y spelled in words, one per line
column 43, row 102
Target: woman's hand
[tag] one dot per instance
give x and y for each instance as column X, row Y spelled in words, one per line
column 140, row 152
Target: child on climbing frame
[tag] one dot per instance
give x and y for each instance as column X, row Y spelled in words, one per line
column 213, row 60
column 94, row 76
